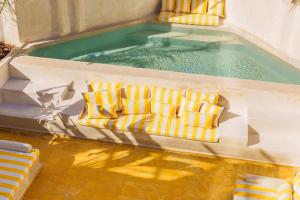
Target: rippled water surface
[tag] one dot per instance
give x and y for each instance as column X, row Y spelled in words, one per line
column 157, row 46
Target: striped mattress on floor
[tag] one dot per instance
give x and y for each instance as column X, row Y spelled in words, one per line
column 14, row 168
column 154, row 125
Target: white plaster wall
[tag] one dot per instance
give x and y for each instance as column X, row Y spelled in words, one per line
column 276, row 22
column 43, row 19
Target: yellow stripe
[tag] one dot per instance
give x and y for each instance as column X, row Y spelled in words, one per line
column 12, row 154
column 9, row 169
column 159, row 124
column 9, row 196
column 11, row 178
column 213, row 135
column 185, row 132
column 177, row 128
column 12, row 187
column 124, row 122
column 254, row 187
column 15, row 162
column 257, row 196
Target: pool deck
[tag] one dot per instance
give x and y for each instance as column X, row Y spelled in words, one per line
column 85, row 169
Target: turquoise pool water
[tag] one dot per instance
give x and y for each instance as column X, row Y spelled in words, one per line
column 158, row 46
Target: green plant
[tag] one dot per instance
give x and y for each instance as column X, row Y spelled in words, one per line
column 7, row 4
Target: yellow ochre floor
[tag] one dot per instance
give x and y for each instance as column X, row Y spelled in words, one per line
column 89, row 170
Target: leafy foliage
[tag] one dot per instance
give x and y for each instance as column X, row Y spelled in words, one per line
column 7, row 4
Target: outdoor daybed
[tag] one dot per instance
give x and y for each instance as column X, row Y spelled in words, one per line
column 19, row 165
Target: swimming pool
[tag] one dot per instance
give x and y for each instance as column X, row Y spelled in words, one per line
column 162, row 47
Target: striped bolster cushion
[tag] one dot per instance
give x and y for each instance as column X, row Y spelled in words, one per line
column 202, row 120
column 167, row 5
column 253, row 191
column 216, row 7
column 296, row 187
column 100, row 86
column 162, row 109
column 199, row 7
column 188, row 105
column 216, row 111
column 141, row 106
column 183, row 6
column 104, row 97
column 210, row 97
column 101, row 111
column 136, row 92
column 14, row 167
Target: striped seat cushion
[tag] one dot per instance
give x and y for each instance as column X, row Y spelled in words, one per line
column 97, row 123
column 163, row 109
column 14, row 168
column 136, row 92
column 103, row 111
column 216, row 7
column 195, row 19
column 210, row 97
column 104, row 86
column 155, row 125
column 197, row 119
column 166, row 95
column 183, row 6
column 199, row 7
column 188, row 105
column 216, row 111
column 141, row 106
column 254, row 191
column 166, row 16
column 296, row 187
column 167, row 5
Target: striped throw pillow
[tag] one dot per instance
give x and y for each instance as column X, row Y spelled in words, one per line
column 198, row 119
column 104, row 97
column 183, row 6
column 141, row 106
column 216, row 7
column 168, row 5
column 216, row 111
column 162, row 109
column 100, row 86
column 296, row 187
column 188, row 105
column 199, row 7
column 136, row 92
column 167, row 96
column 210, row 97
column 285, row 191
column 105, row 111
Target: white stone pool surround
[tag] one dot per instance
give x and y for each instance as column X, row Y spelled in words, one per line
column 261, row 122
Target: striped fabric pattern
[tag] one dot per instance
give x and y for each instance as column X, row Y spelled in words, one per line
column 141, row 106
column 163, row 109
column 168, row 5
column 198, row 119
column 103, row 111
column 104, row 97
column 155, row 125
column 183, row 6
column 216, row 111
column 285, row 191
column 136, row 92
column 296, row 187
column 104, row 86
column 192, row 19
column 166, row 16
column 14, row 168
column 168, row 96
column 199, row 7
column 188, row 105
column 210, row 97
column 253, row 191
column 216, row 7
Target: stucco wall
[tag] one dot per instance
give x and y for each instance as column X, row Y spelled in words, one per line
column 39, row 19
column 274, row 21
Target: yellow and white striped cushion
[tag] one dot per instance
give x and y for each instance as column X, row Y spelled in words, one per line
column 136, row 92
column 104, row 97
column 198, row 119
column 183, row 6
column 199, row 7
column 100, row 86
column 253, row 191
column 14, row 168
column 188, row 105
column 97, row 123
column 285, row 191
column 192, row 19
column 141, row 106
column 168, row 5
column 168, row 96
column 296, row 187
column 216, row 7
column 104, row 111
column 162, row 109
column 165, row 16
column 210, row 97
column 216, row 111
column 131, row 123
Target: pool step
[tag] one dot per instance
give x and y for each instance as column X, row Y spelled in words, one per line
column 25, row 92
